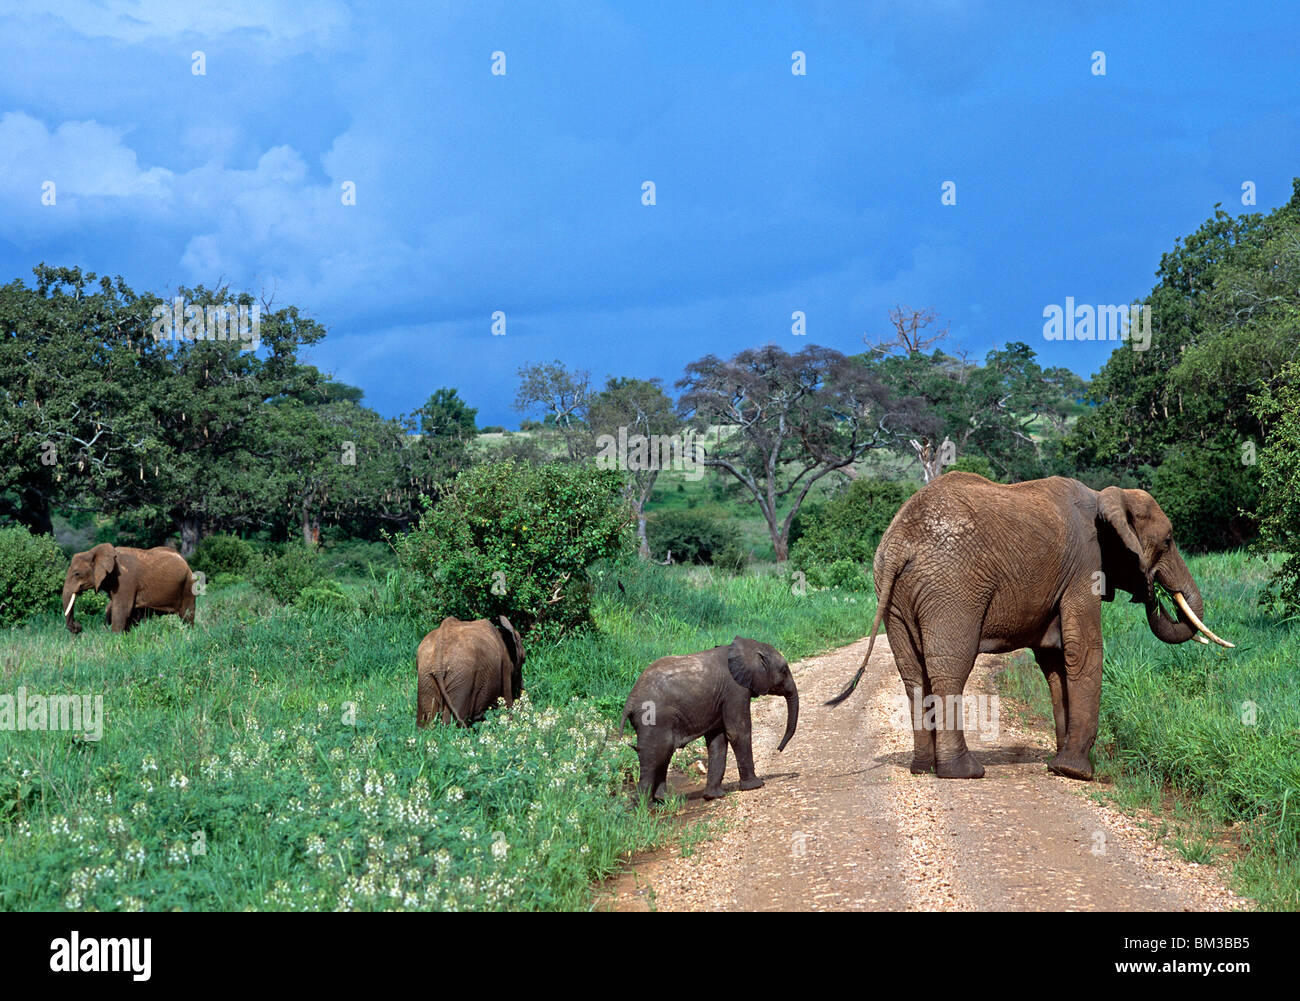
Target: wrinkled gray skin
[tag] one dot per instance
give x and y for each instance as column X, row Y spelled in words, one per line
column 462, row 668
column 140, row 583
column 707, row 694
column 968, row 566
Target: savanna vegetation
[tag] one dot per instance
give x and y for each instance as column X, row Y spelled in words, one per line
column 268, row 757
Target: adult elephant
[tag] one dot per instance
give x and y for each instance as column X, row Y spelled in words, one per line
column 139, row 583
column 968, row 566
column 462, row 668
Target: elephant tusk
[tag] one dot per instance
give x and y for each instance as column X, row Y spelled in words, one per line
column 67, row 610
column 1182, row 603
column 1201, row 639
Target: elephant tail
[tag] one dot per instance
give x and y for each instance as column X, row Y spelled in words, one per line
column 886, row 595
column 627, row 715
column 442, row 693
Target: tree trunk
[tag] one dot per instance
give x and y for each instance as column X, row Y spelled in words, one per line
column 191, row 526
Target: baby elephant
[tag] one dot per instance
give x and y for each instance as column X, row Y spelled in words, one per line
column 462, row 668
column 707, row 695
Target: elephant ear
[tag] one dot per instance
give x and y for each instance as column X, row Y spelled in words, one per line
column 750, row 665
column 511, row 637
column 103, row 564
column 1112, row 507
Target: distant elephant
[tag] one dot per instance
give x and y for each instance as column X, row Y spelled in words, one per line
column 968, row 566
column 462, row 668
column 139, row 583
column 707, row 694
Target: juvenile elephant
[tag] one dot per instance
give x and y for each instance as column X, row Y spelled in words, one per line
column 139, row 583
column 707, row 695
column 462, row 668
column 968, row 566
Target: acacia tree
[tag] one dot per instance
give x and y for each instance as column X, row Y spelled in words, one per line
column 562, row 396
column 787, row 421
column 642, row 408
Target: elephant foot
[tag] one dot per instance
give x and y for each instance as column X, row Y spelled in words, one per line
column 714, row 793
column 752, row 783
column 1072, row 766
column 922, row 764
column 964, row 767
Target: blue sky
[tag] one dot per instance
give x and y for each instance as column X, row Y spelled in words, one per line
column 523, row 192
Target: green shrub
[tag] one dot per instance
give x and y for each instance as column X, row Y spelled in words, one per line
column 32, row 568
column 846, row 529
column 515, row 539
column 973, row 464
column 1204, row 491
column 696, row 535
column 226, row 554
column 1279, row 500
column 288, row 574
column 849, row 574
column 357, row 558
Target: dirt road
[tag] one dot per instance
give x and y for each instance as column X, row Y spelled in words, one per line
column 843, row 825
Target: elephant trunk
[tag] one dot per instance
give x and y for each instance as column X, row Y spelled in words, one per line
column 1172, row 574
column 791, row 715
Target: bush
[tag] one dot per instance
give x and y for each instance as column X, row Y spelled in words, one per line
column 32, row 568
column 226, row 554
column 288, row 575
column 695, row 535
column 846, row 529
column 973, row 464
column 517, row 540
column 848, row 574
column 357, row 558
column 1204, row 491
column 1279, row 488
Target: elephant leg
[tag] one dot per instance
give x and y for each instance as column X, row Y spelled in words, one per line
column 738, row 726
column 645, row 783
column 121, row 615
column 950, row 650
column 1052, row 663
column 717, row 741
column 1081, row 637
column 187, row 608
column 916, row 686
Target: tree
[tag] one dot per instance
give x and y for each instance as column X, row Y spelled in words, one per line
column 563, row 396
column 1002, row 410
column 636, row 407
column 75, row 366
column 1176, row 418
column 789, row 420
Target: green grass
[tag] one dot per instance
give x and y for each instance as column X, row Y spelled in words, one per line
column 268, row 757
column 1176, row 731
